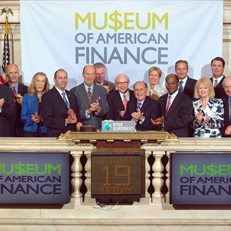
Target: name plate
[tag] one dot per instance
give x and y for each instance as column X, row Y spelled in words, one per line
column 118, row 126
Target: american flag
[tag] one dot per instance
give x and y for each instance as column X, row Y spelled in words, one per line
column 6, row 53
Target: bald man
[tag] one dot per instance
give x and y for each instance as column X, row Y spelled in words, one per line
column 118, row 100
column 92, row 98
column 19, row 89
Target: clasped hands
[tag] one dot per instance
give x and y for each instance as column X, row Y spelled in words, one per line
column 72, row 119
column 137, row 116
column 93, row 107
column 201, row 119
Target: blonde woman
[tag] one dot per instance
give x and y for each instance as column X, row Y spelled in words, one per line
column 30, row 115
column 208, row 111
column 155, row 90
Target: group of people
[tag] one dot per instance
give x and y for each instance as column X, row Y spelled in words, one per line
column 185, row 107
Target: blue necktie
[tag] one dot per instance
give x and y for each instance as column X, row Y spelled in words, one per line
column 181, row 86
column 65, row 99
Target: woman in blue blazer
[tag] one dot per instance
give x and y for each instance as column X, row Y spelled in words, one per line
column 31, row 106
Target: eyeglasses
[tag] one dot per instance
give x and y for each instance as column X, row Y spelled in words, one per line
column 122, row 83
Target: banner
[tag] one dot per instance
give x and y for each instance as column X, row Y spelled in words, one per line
column 34, row 178
column 200, row 178
column 128, row 36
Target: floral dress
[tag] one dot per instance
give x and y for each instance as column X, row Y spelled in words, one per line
column 215, row 112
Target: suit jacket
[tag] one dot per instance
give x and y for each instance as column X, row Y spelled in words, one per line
column 30, row 106
column 54, row 112
column 227, row 121
column 110, row 84
column 179, row 115
column 189, row 87
column 16, row 123
column 7, row 112
column 99, row 93
column 150, row 109
column 115, row 104
column 219, row 90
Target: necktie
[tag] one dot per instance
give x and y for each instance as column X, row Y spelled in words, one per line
column 14, row 91
column 181, row 86
column 168, row 105
column 89, row 94
column 139, row 105
column 65, row 99
column 125, row 101
column 215, row 83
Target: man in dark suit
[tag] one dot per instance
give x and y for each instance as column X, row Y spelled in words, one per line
column 6, row 110
column 100, row 77
column 186, row 84
column 226, row 130
column 117, row 100
column 142, row 109
column 18, row 89
column 218, row 66
column 92, row 98
column 176, row 109
column 59, row 108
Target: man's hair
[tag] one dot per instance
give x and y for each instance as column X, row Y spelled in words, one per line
column 99, row 65
column 181, row 61
column 218, row 59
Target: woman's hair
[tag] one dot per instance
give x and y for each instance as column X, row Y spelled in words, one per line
column 31, row 88
column 157, row 69
column 207, row 83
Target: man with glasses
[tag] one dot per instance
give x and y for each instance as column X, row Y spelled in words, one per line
column 117, row 100
column 142, row 109
column 92, row 98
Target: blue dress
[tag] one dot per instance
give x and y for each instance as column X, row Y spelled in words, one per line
column 215, row 111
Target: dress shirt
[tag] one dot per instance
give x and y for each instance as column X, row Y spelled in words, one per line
column 218, row 79
column 61, row 94
column 173, row 96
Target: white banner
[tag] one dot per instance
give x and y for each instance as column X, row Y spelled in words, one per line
column 128, row 36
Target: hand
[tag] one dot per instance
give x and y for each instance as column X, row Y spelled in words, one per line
column 78, row 125
column 71, row 117
column 199, row 116
column 95, row 106
column 2, row 101
column 158, row 122
column 207, row 118
column 18, row 98
column 122, row 113
column 228, row 130
column 137, row 115
column 36, row 118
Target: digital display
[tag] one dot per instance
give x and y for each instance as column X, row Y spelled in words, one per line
column 117, row 172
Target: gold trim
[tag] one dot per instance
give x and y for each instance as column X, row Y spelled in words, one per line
column 93, row 137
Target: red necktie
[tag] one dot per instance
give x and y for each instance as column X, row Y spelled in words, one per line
column 125, row 101
column 14, row 91
column 168, row 105
column 89, row 95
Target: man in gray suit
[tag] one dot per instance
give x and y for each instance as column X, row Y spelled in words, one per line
column 92, row 98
